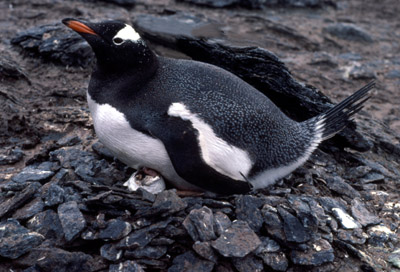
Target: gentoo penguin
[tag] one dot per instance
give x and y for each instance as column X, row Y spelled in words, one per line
column 196, row 124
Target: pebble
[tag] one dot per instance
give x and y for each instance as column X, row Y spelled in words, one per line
column 13, row 155
column 276, row 260
column 221, row 223
column 236, row 241
column 293, row 228
column 16, row 240
column 189, row 262
column 321, row 252
column 115, row 230
column 72, row 220
column 111, row 252
column 338, row 185
column 248, row 263
column 199, row 223
column 248, row 209
column 166, row 203
column 127, row 266
column 354, row 237
column 48, row 224
column 54, row 195
column 348, row 32
column 32, row 208
column 362, row 215
column 345, row 220
column 205, row 250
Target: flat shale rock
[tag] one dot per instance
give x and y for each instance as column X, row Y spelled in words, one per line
column 293, row 228
column 362, row 215
column 149, row 252
column 349, row 32
column 111, row 252
column 166, row 203
column 236, row 241
column 221, row 223
column 54, row 195
column 55, row 259
column 189, row 262
column 11, row 156
column 248, row 210
column 200, row 224
column 127, row 266
column 115, row 230
column 15, row 240
column 71, row 219
column 32, row 208
column 205, row 250
column 48, row 224
column 248, row 263
column 276, row 260
column 56, row 43
column 33, row 173
column 321, row 252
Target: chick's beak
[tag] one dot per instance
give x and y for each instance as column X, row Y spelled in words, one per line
column 78, row 26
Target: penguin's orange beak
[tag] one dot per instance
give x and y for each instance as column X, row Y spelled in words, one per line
column 78, row 26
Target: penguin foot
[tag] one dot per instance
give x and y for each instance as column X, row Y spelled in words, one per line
column 146, row 178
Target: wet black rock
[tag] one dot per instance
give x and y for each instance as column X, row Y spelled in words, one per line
column 166, row 203
column 363, row 216
column 149, row 252
column 15, row 240
column 56, row 259
column 18, row 200
column 111, row 252
column 236, row 241
column 189, row 262
column 248, row 263
column 29, row 210
column 349, row 32
column 33, row 173
column 293, row 228
column 115, row 230
column 142, row 237
column 127, row 266
column 338, row 185
column 205, row 250
column 56, row 43
column 11, row 156
column 221, row 223
column 200, row 224
column 321, row 252
column 71, row 219
column 48, row 224
column 248, row 209
column 54, row 195
column 276, row 260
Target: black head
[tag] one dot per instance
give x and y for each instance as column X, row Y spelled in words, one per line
column 117, row 45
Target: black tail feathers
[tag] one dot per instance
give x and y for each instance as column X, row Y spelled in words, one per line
column 337, row 118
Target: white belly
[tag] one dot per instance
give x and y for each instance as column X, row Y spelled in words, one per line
column 132, row 147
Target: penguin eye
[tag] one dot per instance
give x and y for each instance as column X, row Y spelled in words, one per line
column 118, row 41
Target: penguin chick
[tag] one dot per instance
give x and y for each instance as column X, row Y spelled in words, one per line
column 199, row 126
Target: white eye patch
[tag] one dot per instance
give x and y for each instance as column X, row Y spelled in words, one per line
column 127, row 33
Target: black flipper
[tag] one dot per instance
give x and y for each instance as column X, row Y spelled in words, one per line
column 183, row 149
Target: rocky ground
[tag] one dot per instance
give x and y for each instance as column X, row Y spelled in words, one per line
column 62, row 203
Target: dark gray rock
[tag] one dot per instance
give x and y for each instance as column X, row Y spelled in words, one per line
column 33, row 173
column 142, row 237
column 15, row 240
column 18, row 200
column 115, row 230
column 48, row 224
column 56, row 43
column 11, row 156
column 273, row 223
column 267, row 245
column 275, row 260
column 329, row 203
column 248, row 209
column 205, row 250
column 166, row 203
column 308, row 211
column 338, row 185
column 10, row 69
column 111, row 252
column 127, row 266
column 101, row 150
column 56, row 259
column 394, row 258
column 354, row 237
column 248, row 263
column 189, row 262
column 125, row 3
column 293, row 228
column 380, row 235
column 69, row 141
column 54, row 195
column 393, row 74
column 212, row 3
column 362, row 215
column 200, row 224
column 29, row 210
column 236, row 241
column 372, row 177
column 321, row 252
column 71, row 219
column 221, row 223
column 295, row 3
column 150, row 252
column 348, row 32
